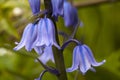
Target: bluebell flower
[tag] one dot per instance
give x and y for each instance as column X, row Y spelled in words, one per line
column 45, row 40
column 28, row 38
column 83, row 59
column 70, row 15
column 47, row 55
column 57, row 7
column 37, row 36
column 46, row 33
column 35, row 6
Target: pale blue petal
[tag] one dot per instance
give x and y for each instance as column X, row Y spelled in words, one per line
column 31, row 37
column 46, row 33
column 43, row 34
column 39, row 34
column 70, row 15
column 47, row 55
column 35, row 6
column 24, row 37
column 54, row 8
column 84, row 62
column 83, row 59
column 75, row 62
column 51, row 31
column 57, row 6
column 91, row 57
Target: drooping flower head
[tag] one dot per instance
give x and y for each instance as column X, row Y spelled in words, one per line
column 28, row 37
column 83, row 59
column 35, row 6
column 70, row 15
column 45, row 40
column 57, row 7
column 46, row 33
column 38, row 36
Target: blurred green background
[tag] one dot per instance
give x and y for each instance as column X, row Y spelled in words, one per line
column 100, row 31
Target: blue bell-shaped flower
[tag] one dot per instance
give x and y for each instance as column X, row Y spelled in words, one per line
column 28, row 38
column 35, row 6
column 83, row 59
column 70, row 15
column 57, row 7
column 45, row 40
column 46, row 33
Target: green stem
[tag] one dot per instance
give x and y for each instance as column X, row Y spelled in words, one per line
column 58, row 54
column 59, row 61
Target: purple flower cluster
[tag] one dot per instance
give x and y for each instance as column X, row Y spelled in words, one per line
column 41, row 36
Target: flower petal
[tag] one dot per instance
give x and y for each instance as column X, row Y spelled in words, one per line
column 24, row 37
column 38, row 40
column 35, row 6
column 84, row 62
column 51, row 31
column 57, row 6
column 43, row 35
column 91, row 57
column 75, row 60
column 31, row 37
column 47, row 55
column 70, row 15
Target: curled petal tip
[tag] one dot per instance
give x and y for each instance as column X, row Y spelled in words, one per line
column 99, row 63
column 104, row 61
column 16, row 43
column 15, row 49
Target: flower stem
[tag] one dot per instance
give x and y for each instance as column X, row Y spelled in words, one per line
column 41, row 75
column 58, row 54
column 69, row 41
column 49, row 69
column 75, row 30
